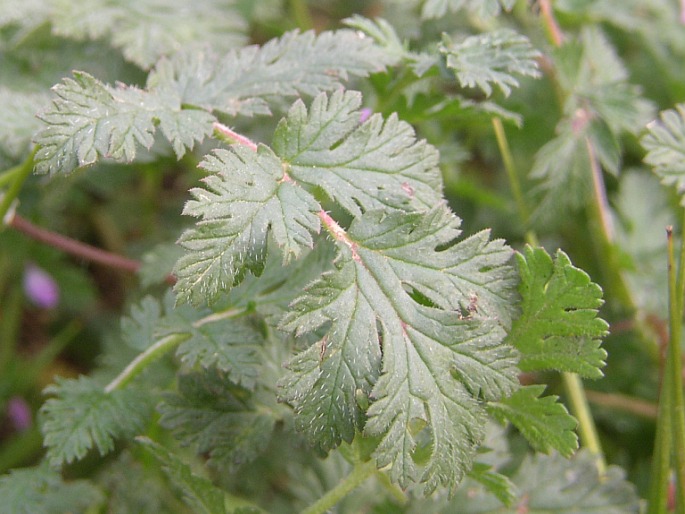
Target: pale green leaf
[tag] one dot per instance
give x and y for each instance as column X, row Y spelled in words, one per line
column 90, row 121
column 437, row 363
column 217, row 419
column 551, row 484
column 544, row 422
column 665, row 145
column 42, row 490
column 83, row 416
column 559, row 328
column 247, row 81
column 227, row 343
column 246, row 200
column 491, row 59
column 378, row 164
column 481, row 8
column 146, row 30
column 139, row 327
column 18, row 123
column 493, row 482
column 199, row 493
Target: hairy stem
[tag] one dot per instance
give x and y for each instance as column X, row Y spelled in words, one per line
column 76, row 248
column 143, row 360
column 361, row 472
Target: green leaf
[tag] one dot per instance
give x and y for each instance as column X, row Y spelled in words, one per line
column 665, row 145
column 246, row 200
column 218, row 419
column 482, row 8
column 200, row 494
column 422, row 367
column 491, row 58
column 90, row 121
column 549, row 484
column 378, row 164
column 247, row 81
column 18, row 123
column 495, row 483
column 558, row 328
column 139, row 327
column 546, row 424
column 83, row 416
column 41, row 489
column 233, row 345
column 148, row 29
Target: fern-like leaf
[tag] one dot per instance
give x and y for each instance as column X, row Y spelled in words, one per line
column 546, row 424
column 421, row 367
column 481, row 8
column 199, row 493
column 218, row 419
column 665, row 145
column 83, row 416
column 491, row 58
column 558, row 328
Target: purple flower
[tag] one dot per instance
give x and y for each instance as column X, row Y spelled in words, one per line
column 40, row 287
column 365, row 114
column 19, row 413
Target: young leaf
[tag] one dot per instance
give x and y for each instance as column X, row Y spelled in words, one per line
column 436, row 365
column 546, row 424
column 146, row 30
column 231, row 345
column 218, row 419
column 90, row 121
column 665, row 145
column 378, row 164
column 246, row 81
column 247, row 199
column 558, row 328
column 41, row 489
column 491, row 58
column 553, row 484
column 83, row 416
column 482, row 8
column 200, row 494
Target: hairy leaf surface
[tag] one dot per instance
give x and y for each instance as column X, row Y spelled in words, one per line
column 198, row 492
column 558, row 328
column 420, row 366
column 546, row 424
column 83, row 416
column 378, row 164
column 218, row 419
column 491, row 59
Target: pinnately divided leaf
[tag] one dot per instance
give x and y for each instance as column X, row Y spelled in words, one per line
column 252, row 196
column 491, row 58
column 482, row 8
column 199, row 493
column 378, row 164
column 89, row 120
column 421, row 367
column 544, row 422
column 83, row 416
column 558, row 328
column 665, row 145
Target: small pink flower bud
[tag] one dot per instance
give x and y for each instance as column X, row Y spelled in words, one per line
column 40, row 287
column 19, row 413
column 365, row 114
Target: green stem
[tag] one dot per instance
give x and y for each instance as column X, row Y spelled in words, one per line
column 674, row 363
column 361, row 472
column 586, row 423
column 138, row 364
column 19, row 175
column 661, row 458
